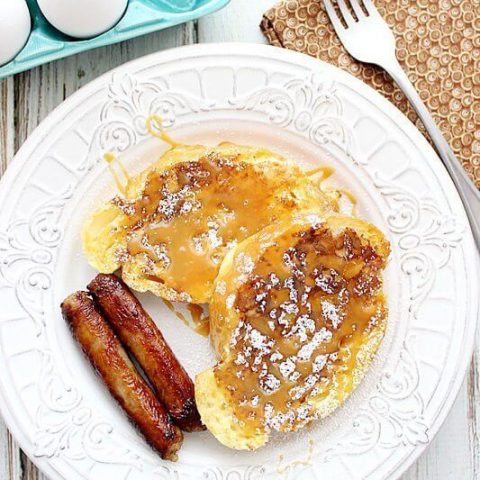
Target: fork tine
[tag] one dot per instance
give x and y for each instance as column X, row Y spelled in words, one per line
column 347, row 16
column 357, row 8
column 337, row 24
column 370, row 7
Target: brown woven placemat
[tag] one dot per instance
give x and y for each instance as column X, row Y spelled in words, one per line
column 438, row 44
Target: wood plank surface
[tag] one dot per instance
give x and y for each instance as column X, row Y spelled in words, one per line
column 27, row 98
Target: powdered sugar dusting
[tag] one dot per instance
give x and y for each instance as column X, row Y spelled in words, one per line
column 294, row 323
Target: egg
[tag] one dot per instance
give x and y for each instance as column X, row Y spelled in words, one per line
column 15, row 27
column 83, row 18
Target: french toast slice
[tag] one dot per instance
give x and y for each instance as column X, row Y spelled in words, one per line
column 296, row 319
column 178, row 219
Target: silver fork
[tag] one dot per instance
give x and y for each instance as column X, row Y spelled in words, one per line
column 368, row 38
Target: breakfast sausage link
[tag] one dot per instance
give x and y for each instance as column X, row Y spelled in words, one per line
column 143, row 339
column 110, row 360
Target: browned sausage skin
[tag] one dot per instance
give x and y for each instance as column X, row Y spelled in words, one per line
column 110, row 360
column 143, row 339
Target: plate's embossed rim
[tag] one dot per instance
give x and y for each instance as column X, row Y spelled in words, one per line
column 426, row 238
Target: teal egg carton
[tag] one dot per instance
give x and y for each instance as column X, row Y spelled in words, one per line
column 46, row 43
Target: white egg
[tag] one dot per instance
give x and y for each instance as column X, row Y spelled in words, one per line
column 83, row 18
column 15, row 26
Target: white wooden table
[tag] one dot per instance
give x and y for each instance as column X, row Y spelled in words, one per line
column 27, row 98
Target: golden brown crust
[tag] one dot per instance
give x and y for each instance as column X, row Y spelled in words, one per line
column 106, row 354
column 143, row 339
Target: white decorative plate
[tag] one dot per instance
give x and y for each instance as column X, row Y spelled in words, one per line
column 51, row 399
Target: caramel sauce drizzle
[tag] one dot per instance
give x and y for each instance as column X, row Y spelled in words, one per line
column 198, row 321
column 308, row 308
column 326, row 172
column 155, row 128
column 176, row 311
column 351, row 197
column 115, row 164
column 341, row 192
column 190, row 215
column 282, row 469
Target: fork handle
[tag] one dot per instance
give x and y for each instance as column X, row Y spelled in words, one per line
column 466, row 189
